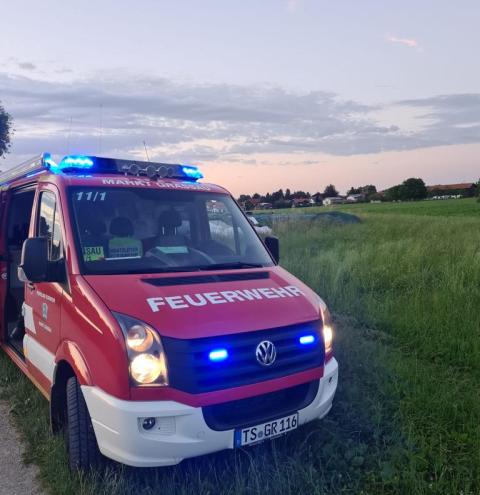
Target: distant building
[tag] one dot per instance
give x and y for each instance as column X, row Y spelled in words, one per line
column 464, row 189
column 355, row 198
column 263, row 206
column 302, row 202
column 216, row 207
column 337, row 200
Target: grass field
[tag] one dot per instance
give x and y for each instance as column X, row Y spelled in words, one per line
column 454, row 207
column 405, row 287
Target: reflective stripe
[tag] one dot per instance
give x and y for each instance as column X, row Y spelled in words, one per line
column 39, row 356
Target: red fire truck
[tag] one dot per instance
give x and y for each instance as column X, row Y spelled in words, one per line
column 146, row 309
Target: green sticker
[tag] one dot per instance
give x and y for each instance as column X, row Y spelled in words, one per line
column 125, row 247
column 173, row 249
column 94, row 253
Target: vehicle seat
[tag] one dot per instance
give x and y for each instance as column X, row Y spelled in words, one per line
column 123, row 244
column 169, row 221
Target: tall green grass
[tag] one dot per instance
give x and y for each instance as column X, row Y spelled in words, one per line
column 418, row 279
column 465, row 207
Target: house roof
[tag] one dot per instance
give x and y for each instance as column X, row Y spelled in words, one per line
column 451, row 187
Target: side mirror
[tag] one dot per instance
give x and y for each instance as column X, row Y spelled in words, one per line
column 34, row 262
column 273, row 245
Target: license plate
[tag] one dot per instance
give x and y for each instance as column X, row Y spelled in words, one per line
column 264, row 431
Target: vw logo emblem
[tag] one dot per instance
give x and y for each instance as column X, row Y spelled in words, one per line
column 266, row 353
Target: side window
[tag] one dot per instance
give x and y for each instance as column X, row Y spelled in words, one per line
column 222, row 227
column 49, row 225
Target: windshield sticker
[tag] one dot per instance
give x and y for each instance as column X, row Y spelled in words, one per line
column 172, row 249
column 90, row 196
column 228, row 296
column 93, row 253
column 125, row 247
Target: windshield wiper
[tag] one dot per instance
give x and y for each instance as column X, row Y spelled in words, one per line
column 147, row 271
column 176, row 269
column 228, row 266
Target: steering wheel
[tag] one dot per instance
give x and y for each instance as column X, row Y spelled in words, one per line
column 202, row 254
column 157, row 253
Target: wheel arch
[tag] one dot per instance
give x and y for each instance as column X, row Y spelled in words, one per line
column 69, row 362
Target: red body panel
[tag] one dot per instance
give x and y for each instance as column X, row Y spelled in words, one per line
column 128, row 294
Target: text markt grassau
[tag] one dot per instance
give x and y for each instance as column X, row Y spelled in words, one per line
column 222, row 297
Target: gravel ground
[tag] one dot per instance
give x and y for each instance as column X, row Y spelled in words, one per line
column 16, row 478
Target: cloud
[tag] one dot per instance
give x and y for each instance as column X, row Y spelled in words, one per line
column 410, row 42
column 26, row 65
column 293, row 5
column 208, row 122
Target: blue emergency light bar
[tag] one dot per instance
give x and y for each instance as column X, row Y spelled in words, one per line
column 97, row 164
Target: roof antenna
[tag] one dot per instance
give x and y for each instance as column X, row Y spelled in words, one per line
column 146, row 151
column 100, row 135
column 68, row 135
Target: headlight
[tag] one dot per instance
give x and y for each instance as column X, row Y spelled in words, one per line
column 148, row 365
column 139, row 338
column 146, row 368
column 327, row 330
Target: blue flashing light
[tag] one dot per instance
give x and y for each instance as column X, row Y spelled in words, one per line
column 76, row 161
column 218, row 355
column 48, row 160
column 192, row 172
column 307, row 339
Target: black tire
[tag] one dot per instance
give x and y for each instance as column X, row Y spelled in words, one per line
column 82, row 445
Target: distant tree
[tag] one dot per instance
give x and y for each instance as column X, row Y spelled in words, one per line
column 330, row 191
column 414, row 189
column 394, row 193
column 5, row 131
column 410, row 189
column 288, row 194
column 300, row 194
column 277, row 195
column 369, row 190
column 256, row 196
column 477, row 188
column 282, row 203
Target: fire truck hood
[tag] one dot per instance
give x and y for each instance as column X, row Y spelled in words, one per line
column 204, row 304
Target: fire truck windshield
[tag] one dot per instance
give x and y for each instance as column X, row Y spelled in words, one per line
column 140, row 230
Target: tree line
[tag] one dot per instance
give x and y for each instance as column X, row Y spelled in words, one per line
column 5, row 131
column 411, row 189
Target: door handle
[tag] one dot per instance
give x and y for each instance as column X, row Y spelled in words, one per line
column 31, row 286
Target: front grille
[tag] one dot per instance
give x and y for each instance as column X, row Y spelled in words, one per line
column 191, row 370
column 259, row 409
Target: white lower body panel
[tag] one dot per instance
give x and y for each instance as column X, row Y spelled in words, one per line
column 180, row 431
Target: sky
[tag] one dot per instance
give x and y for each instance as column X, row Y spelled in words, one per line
column 261, row 94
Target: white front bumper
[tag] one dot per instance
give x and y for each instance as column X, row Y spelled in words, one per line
column 180, row 431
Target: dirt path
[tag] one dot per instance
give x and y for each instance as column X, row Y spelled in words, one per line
column 16, row 478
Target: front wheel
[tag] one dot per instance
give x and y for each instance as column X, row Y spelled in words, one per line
column 82, row 445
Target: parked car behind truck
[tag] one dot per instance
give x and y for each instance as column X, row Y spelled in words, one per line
column 154, row 336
